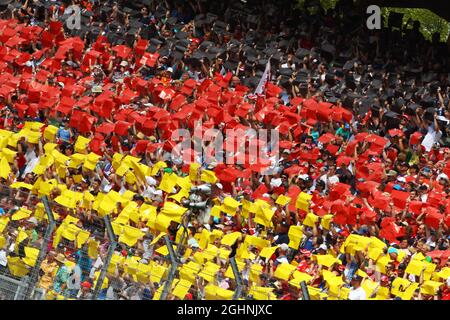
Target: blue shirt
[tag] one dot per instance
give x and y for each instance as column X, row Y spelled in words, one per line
column 64, row 134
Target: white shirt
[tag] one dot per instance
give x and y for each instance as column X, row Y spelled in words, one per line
column 357, row 294
column 3, row 259
column 31, row 164
column 282, row 260
column 329, row 180
column 74, row 281
column 431, row 138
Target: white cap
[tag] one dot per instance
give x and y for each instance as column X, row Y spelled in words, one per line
column 275, row 182
column 284, row 247
column 33, row 220
column 170, row 69
column 442, row 176
column 150, row 180
column 124, row 63
column 219, row 185
column 401, row 179
column 323, row 246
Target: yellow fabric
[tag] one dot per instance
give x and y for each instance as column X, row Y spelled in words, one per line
column 17, row 185
column 130, row 235
column 299, row 277
column 215, row 211
column 284, row 271
column 264, row 216
column 216, row 293
column 81, row 144
column 173, row 209
column 429, row 269
column 283, row 200
column 230, row 205
column 17, row 267
column 21, row 236
column 230, row 239
column 181, row 289
column 382, row 263
column 22, row 213
column 49, row 147
column 76, row 160
column 82, row 237
column 443, row 274
column 430, row 287
column 159, row 165
column 33, row 125
column 180, row 195
column 268, row 252
column 147, row 213
column 403, row 288
column 193, row 171
column 257, row 242
column 31, row 255
column 3, row 223
column 374, row 253
column 303, row 200
column 161, row 222
column 262, row 293
column 70, row 231
column 326, row 220
column 209, row 271
column 50, row 133
column 5, row 169
column 415, row 267
column 189, row 271
column 168, row 182
column 295, row 236
column 204, row 239
column 157, row 273
column 326, row 260
column 310, row 220
column 9, row 154
column 93, row 249
column 208, row 176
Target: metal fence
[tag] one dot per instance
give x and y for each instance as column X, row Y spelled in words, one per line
column 52, row 250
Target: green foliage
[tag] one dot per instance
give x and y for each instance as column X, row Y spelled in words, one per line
column 429, row 21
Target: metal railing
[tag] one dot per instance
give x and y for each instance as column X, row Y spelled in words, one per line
column 34, row 234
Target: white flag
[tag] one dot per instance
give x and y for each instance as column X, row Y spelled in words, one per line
column 264, row 79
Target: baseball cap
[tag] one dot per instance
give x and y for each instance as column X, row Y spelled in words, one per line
column 401, row 179
column 284, row 247
column 357, row 278
column 391, row 173
column 392, row 250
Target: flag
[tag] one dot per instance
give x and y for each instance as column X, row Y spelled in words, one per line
column 264, row 79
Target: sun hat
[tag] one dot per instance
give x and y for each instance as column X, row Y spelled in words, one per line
column 60, row 258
